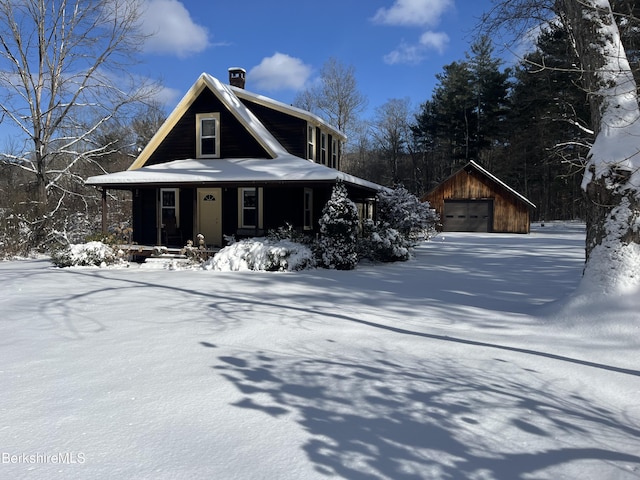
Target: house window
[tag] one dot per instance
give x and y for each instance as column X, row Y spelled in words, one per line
column 323, row 148
column 308, row 209
column 169, row 211
column 334, row 153
column 311, row 142
column 208, row 135
column 249, row 206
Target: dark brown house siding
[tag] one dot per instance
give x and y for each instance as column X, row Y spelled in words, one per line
column 510, row 214
column 290, row 131
column 180, row 143
column 145, row 201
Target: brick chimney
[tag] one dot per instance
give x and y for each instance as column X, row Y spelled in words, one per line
column 237, row 77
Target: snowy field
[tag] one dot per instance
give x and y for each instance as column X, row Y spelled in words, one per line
column 464, row 363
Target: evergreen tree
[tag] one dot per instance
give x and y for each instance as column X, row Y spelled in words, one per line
column 549, row 128
column 490, row 88
column 337, row 246
column 465, row 117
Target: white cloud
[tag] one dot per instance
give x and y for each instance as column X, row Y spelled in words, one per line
column 171, row 29
column 413, row 54
column 435, row 40
column 405, row 53
column 413, row 12
column 279, row 72
column 167, row 96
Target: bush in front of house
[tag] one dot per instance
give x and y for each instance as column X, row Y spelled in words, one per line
column 262, row 254
column 337, row 246
column 90, row 254
column 401, row 210
column 381, row 243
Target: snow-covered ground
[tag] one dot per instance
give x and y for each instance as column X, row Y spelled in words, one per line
column 463, row 363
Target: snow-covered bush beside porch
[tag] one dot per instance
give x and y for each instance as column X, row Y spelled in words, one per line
column 382, row 243
column 262, row 254
column 401, row 210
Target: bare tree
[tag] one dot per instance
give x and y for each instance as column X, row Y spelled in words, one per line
column 336, row 98
column 392, row 132
column 612, row 174
column 63, row 74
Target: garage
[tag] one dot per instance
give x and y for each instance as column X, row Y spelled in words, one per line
column 474, row 200
column 467, row 216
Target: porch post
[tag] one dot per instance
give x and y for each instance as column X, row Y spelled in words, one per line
column 104, row 210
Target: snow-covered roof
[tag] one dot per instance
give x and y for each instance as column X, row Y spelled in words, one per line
column 281, row 167
column 500, row 182
column 284, row 168
column 290, row 109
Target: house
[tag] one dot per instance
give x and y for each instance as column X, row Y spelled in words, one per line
column 230, row 162
column 474, row 200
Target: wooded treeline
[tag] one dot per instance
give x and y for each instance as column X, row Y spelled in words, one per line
column 529, row 125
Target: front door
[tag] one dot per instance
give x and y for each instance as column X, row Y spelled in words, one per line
column 210, row 215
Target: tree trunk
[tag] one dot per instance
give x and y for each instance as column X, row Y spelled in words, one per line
column 611, row 180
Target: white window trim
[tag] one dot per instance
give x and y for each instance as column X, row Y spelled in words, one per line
column 241, row 223
column 323, row 148
column 311, row 142
column 199, row 118
column 334, row 153
column 176, row 207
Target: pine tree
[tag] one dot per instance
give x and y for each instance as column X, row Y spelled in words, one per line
column 337, row 246
column 548, row 128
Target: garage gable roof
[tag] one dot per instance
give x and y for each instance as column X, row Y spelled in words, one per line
column 474, row 166
column 488, row 174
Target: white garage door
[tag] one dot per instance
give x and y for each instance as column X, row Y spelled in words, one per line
column 467, row 216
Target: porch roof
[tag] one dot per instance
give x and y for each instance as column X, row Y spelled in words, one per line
column 282, row 169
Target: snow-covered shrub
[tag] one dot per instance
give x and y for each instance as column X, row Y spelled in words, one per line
column 86, row 255
column 382, row 243
column 401, row 210
column 262, row 254
column 287, row 232
column 337, row 246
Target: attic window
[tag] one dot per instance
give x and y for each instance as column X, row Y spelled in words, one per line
column 208, row 135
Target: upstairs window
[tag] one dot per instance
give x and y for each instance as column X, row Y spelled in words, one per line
column 208, row 135
column 311, row 142
column 334, row 153
column 323, row 148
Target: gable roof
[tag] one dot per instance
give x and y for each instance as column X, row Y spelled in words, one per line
column 474, row 166
column 226, row 95
column 288, row 109
column 281, row 167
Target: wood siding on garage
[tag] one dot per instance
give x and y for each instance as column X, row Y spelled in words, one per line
column 510, row 214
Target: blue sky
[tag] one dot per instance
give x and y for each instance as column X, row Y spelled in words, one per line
column 396, row 46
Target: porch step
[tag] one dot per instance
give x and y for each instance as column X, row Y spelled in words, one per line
column 165, row 261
